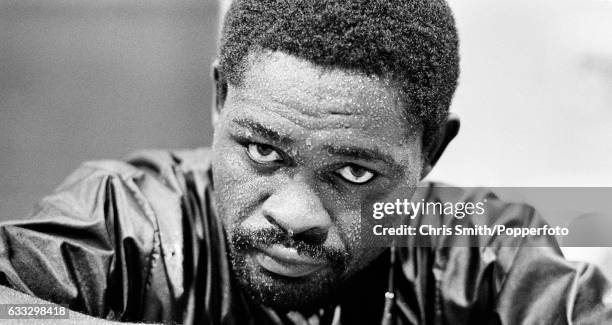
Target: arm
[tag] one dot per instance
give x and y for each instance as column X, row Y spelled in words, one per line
column 518, row 280
column 84, row 246
column 540, row 286
column 543, row 288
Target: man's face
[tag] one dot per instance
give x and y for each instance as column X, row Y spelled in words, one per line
column 296, row 148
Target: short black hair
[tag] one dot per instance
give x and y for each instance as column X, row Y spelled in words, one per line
column 413, row 43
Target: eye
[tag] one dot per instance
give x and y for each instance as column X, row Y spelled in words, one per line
column 262, row 153
column 355, row 174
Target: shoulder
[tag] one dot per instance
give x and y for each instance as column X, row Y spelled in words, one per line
column 149, row 190
column 488, row 208
column 162, row 164
column 497, row 209
column 162, row 171
column 160, row 161
column 470, row 275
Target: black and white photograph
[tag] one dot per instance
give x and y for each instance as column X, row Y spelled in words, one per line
column 306, row 162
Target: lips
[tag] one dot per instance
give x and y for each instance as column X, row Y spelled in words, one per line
column 287, row 261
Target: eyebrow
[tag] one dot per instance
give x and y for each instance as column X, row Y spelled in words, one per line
column 369, row 154
column 263, row 131
column 360, row 153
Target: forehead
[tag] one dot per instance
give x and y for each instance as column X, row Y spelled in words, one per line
column 292, row 94
column 292, row 80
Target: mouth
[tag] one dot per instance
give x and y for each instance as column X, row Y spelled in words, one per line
column 285, row 261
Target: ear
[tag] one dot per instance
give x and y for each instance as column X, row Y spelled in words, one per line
column 220, row 92
column 448, row 131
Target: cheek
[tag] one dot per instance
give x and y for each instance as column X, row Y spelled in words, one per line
column 348, row 220
column 348, row 224
column 236, row 189
column 362, row 253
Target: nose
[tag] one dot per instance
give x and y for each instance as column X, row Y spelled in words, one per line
column 297, row 209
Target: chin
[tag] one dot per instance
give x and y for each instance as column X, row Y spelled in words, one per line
column 280, row 292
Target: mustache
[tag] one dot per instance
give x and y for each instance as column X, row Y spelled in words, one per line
column 248, row 239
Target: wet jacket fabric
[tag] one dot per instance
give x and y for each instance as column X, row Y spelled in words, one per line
column 139, row 241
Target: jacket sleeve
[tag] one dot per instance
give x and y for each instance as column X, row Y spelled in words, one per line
column 506, row 280
column 537, row 285
column 541, row 287
column 90, row 245
column 527, row 280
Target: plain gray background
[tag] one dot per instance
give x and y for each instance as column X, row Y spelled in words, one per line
column 95, row 79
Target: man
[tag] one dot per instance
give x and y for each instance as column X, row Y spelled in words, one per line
column 319, row 104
